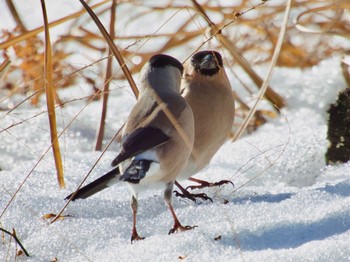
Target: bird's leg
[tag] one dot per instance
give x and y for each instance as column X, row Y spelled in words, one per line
column 177, row 225
column 185, row 194
column 134, row 234
column 207, row 184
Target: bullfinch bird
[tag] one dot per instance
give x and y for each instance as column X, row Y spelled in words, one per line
column 157, row 138
column 207, row 90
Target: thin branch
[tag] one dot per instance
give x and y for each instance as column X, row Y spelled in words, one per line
column 4, row 67
column 41, row 158
column 100, row 132
column 114, row 49
column 270, row 71
column 87, row 175
column 16, row 239
column 15, row 15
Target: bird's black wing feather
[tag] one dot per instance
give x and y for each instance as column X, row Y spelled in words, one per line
column 141, row 140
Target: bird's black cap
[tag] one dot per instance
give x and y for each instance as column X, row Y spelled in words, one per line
column 162, row 60
column 207, row 62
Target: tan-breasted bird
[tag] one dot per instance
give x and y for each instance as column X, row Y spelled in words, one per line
column 207, row 90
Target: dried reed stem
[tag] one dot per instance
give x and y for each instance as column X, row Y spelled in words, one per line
column 114, row 49
column 108, row 77
column 50, row 101
column 270, row 71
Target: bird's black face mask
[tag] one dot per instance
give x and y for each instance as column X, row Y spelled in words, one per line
column 207, row 62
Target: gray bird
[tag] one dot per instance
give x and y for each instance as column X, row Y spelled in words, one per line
column 207, row 90
column 157, row 138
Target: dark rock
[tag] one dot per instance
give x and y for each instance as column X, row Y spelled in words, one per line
column 339, row 129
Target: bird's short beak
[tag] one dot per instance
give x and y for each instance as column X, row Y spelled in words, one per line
column 209, row 62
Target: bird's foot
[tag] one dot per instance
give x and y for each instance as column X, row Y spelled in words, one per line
column 203, row 184
column 179, row 227
column 185, row 194
column 136, row 237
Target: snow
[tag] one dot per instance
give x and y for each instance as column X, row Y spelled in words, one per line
column 294, row 208
column 286, row 205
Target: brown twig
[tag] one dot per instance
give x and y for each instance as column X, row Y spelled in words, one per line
column 3, row 67
column 100, row 132
column 114, row 49
column 270, row 70
column 339, row 6
column 14, row 235
column 87, row 175
column 15, row 16
column 42, row 157
column 346, row 72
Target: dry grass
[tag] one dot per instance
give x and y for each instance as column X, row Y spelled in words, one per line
column 253, row 34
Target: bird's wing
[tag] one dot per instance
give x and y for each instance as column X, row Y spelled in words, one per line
column 140, row 140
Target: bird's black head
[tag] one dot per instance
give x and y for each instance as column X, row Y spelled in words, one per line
column 207, row 62
column 162, row 60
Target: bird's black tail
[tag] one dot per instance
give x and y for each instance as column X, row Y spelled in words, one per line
column 98, row 185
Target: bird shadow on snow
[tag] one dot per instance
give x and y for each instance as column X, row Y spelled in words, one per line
column 341, row 189
column 295, row 234
column 289, row 234
column 269, row 198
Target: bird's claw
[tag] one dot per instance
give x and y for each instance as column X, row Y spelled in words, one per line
column 136, row 237
column 208, row 184
column 180, row 228
column 191, row 196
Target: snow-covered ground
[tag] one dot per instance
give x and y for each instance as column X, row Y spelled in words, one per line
column 294, row 208
column 286, row 205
